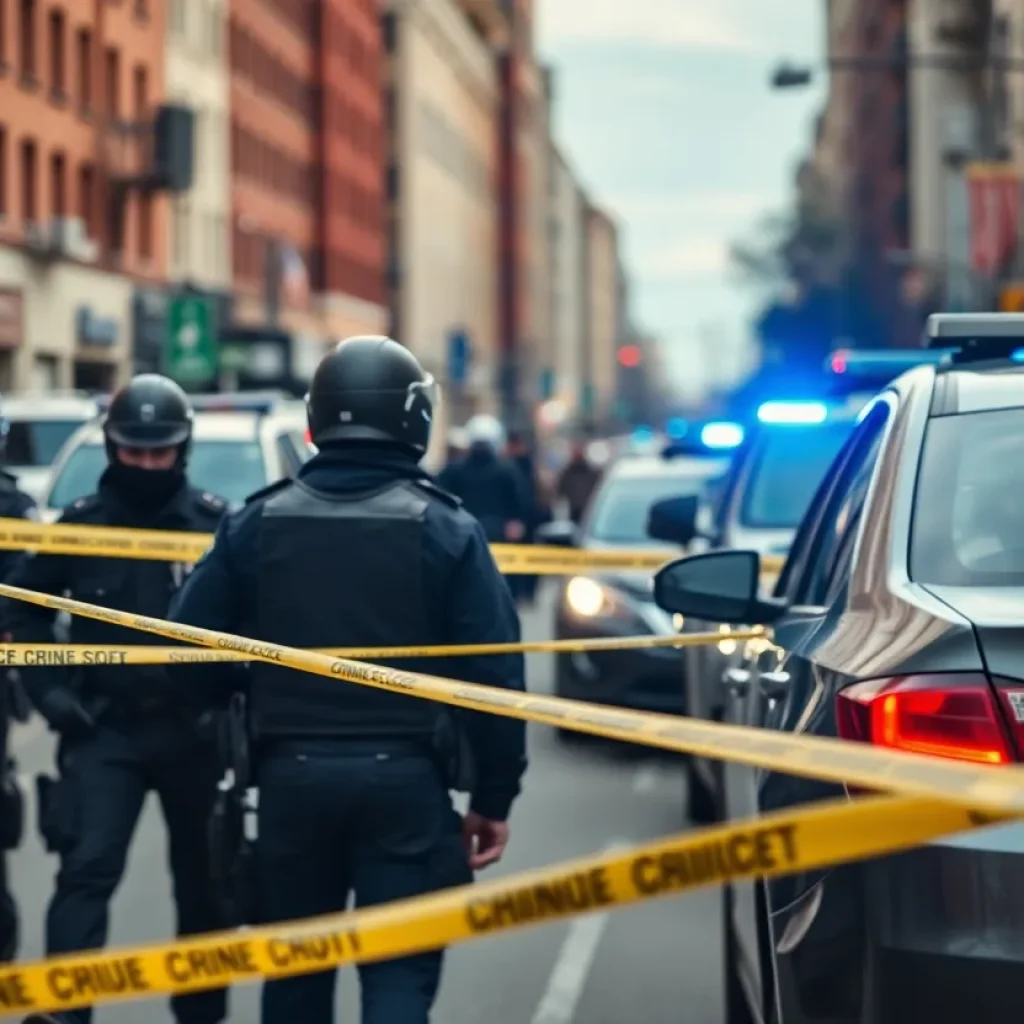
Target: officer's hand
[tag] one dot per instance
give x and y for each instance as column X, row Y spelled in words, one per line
column 65, row 713
column 514, row 530
column 485, row 839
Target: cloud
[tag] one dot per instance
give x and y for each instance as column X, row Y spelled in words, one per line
column 676, row 24
column 699, row 256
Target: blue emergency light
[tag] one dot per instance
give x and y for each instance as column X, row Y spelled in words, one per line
column 677, row 427
column 796, row 413
column 721, row 436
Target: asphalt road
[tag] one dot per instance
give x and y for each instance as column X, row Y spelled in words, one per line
column 658, row 961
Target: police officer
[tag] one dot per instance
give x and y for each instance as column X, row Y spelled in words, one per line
column 14, row 504
column 364, row 549
column 124, row 730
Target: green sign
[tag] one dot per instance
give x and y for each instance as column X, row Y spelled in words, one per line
column 190, row 354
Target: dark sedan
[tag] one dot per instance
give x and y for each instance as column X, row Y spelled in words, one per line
column 622, row 603
column 898, row 620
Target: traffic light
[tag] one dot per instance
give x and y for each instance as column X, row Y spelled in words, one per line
column 629, row 356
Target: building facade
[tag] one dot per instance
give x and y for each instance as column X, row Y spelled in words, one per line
column 442, row 95
column 600, row 365
column 307, row 144
column 569, row 297
column 73, row 232
column 197, row 76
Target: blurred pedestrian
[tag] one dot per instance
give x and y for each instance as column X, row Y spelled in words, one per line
column 577, row 481
column 520, row 452
column 490, row 486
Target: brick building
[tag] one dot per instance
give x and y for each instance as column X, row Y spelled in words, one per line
column 878, row 151
column 72, row 75
column 307, row 153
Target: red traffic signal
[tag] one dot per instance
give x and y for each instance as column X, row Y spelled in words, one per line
column 629, row 356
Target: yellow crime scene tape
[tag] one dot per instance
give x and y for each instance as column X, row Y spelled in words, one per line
column 36, row 655
column 944, row 797
column 777, row 844
column 175, row 546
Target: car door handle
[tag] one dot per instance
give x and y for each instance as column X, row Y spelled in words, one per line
column 737, row 680
column 773, row 684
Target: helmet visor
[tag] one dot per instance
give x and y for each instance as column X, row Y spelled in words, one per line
column 148, row 435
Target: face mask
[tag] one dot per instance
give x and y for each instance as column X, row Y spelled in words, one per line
column 145, row 488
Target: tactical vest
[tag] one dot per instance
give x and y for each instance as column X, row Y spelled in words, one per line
column 342, row 571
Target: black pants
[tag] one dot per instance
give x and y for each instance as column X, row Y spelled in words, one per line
column 8, row 916
column 104, row 781
column 370, row 820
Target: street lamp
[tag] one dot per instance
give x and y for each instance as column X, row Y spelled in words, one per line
column 788, row 75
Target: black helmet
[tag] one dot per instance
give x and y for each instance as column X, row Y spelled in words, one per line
column 371, row 388
column 150, row 412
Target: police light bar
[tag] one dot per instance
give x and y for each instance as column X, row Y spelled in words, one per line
column 976, row 337
column 721, row 436
column 711, row 439
column 794, row 413
column 887, row 363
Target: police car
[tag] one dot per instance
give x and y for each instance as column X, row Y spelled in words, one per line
column 37, row 426
column 898, row 621
column 240, row 444
column 621, row 603
column 758, row 504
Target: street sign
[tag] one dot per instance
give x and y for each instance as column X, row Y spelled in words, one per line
column 1011, row 298
column 190, row 353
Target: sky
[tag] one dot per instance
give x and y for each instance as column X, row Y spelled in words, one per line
column 664, row 110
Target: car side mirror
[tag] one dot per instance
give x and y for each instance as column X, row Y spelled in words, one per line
column 561, row 533
column 674, row 519
column 722, row 586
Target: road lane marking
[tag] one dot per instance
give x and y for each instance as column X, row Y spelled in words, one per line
column 572, row 968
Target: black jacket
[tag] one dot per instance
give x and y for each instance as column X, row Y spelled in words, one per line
column 492, row 489
column 133, row 585
column 461, row 584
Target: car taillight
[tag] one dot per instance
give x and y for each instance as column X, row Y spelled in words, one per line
column 946, row 715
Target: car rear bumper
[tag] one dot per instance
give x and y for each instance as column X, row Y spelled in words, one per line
column 934, row 934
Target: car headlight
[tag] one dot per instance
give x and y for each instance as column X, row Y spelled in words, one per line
column 589, row 599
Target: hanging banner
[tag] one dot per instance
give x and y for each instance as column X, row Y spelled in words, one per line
column 994, row 192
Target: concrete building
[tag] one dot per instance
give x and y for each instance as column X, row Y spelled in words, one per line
column 197, row 76
column 569, row 297
column 442, row 97
column 951, row 128
column 600, row 366
column 307, row 141
column 71, row 73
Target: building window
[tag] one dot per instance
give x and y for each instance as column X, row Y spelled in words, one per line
column 86, row 194
column 3, row 172
column 27, row 41
column 58, row 69
column 29, row 198
column 58, row 185
column 83, row 47
column 140, row 89
column 112, row 76
column 145, row 209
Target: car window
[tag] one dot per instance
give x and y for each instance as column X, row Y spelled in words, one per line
column 620, row 508
column 785, row 471
column 968, row 519
column 36, row 442
column 836, row 529
column 231, row 469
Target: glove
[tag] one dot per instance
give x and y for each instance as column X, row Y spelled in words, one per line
column 66, row 714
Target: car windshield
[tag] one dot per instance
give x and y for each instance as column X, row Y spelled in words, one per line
column 232, row 469
column 36, row 442
column 968, row 523
column 621, row 506
column 788, row 466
